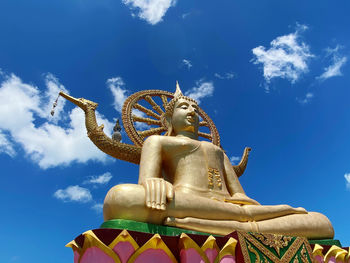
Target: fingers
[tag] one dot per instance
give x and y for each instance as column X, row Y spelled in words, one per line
column 157, row 193
column 163, row 195
column 153, row 194
column 148, row 194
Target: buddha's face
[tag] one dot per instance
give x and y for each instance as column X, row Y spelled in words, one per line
column 185, row 116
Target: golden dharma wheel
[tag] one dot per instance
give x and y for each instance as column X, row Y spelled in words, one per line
column 142, row 112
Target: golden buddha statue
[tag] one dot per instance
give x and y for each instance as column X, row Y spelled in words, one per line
column 187, row 183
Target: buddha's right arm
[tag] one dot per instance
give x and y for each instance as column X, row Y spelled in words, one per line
column 151, row 159
column 157, row 190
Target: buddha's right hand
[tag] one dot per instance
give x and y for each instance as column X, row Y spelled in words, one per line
column 158, row 191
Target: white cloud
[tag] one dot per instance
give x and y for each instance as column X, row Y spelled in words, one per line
column 286, row 58
column 53, row 87
column 119, row 93
column 6, row 146
column 306, row 99
column 201, row 90
column 150, row 10
column 116, row 86
column 331, row 51
column 187, row 63
column 227, row 75
column 235, row 159
column 185, row 15
column 347, row 178
column 101, row 179
column 337, row 61
column 24, row 116
column 141, row 126
column 74, row 193
column 98, row 208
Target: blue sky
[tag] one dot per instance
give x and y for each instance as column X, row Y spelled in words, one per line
column 273, row 75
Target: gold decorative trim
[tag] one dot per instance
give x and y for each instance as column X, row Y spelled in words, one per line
column 274, row 241
column 338, row 253
column 186, row 242
column 317, row 251
column 155, row 242
column 210, row 243
column 303, row 254
column 91, row 240
column 124, row 236
column 73, row 245
column 256, row 253
column 228, row 249
column 287, row 257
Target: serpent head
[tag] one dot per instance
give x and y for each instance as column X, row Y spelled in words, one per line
column 82, row 103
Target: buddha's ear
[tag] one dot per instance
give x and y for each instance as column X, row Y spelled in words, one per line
column 166, row 120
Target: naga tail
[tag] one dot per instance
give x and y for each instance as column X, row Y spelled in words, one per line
column 240, row 168
column 118, row 150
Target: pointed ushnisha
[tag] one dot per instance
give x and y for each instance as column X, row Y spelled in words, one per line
column 178, row 91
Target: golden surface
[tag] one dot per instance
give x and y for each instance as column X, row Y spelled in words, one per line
column 185, row 182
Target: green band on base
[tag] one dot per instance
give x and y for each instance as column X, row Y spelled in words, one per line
column 148, row 228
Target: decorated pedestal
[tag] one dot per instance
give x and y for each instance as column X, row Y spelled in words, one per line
column 146, row 243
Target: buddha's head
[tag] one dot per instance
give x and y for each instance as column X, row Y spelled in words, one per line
column 181, row 115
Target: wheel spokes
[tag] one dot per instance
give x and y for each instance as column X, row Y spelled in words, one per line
column 152, row 132
column 147, row 111
column 154, row 105
column 164, row 100
column 143, row 117
column 205, row 135
column 149, row 121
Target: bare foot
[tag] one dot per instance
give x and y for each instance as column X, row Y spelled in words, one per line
column 241, row 199
column 170, row 221
column 300, row 210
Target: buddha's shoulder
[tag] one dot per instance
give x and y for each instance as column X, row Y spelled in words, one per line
column 162, row 139
column 169, row 140
column 153, row 139
column 156, row 139
column 211, row 145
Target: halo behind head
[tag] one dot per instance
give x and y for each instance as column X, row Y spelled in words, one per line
column 155, row 113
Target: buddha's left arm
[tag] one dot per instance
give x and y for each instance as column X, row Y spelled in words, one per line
column 231, row 179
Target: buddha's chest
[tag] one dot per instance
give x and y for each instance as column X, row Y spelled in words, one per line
column 193, row 152
column 199, row 164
